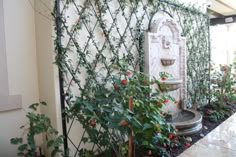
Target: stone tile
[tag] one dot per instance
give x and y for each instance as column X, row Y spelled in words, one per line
column 219, row 139
column 221, row 142
column 232, row 119
column 190, row 151
column 209, row 150
column 227, row 128
column 185, row 155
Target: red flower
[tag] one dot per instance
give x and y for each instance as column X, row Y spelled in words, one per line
column 176, row 102
column 172, row 145
column 144, row 81
column 149, row 153
column 164, row 144
column 163, row 78
column 208, row 112
column 187, row 144
column 124, row 81
column 171, row 135
column 128, row 73
column 159, row 103
column 226, row 99
column 92, row 123
column 152, row 83
column 175, row 140
column 116, row 86
column 123, row 123
column 166, row 101
column 225, row 68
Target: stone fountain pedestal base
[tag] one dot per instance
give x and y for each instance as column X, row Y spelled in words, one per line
column 187, row 122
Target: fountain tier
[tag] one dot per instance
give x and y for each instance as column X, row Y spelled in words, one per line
column 170, row 85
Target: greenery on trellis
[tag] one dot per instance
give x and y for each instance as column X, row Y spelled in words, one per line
column 98, row 39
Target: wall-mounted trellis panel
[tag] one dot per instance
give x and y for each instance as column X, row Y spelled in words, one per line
column 98, row 36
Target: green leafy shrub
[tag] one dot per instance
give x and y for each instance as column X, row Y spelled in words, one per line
column 215, row 115
column 108, row 120
column 39, row 124
column 222, row 93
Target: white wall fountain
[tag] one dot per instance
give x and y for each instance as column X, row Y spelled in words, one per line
column 165, row 51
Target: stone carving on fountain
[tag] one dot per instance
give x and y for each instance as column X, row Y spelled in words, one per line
column 165, row 51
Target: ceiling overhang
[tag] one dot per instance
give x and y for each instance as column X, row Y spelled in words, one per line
column 222, row 11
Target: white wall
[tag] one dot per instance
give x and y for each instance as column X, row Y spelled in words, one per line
column 48, row 72
column 22, row 68
column 223, row 46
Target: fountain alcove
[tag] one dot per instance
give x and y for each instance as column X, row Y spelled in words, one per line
column 165, row 51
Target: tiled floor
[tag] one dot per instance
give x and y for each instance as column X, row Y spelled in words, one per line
column 221, row 142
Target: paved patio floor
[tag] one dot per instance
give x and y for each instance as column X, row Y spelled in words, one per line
column 221, row 142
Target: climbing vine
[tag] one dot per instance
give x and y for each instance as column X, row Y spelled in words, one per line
column 98, row 39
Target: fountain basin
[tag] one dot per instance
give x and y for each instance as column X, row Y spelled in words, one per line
column 167, row 61
column 170, row 85
column 187, row 122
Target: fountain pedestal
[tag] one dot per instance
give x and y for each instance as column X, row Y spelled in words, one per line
column 165, row 51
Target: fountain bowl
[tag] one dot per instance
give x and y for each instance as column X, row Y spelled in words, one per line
column 187, row 122
column 167, row 61
column 170, row 85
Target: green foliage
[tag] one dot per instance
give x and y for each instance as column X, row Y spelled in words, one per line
column 86, row 153
column 223, row 82
column 222, row 92
column 107, row 118
column 39, row 124
column 94, row 53
column 215, row 115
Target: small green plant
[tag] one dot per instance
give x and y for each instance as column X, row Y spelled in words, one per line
column 216, row 115
column 38, row 124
